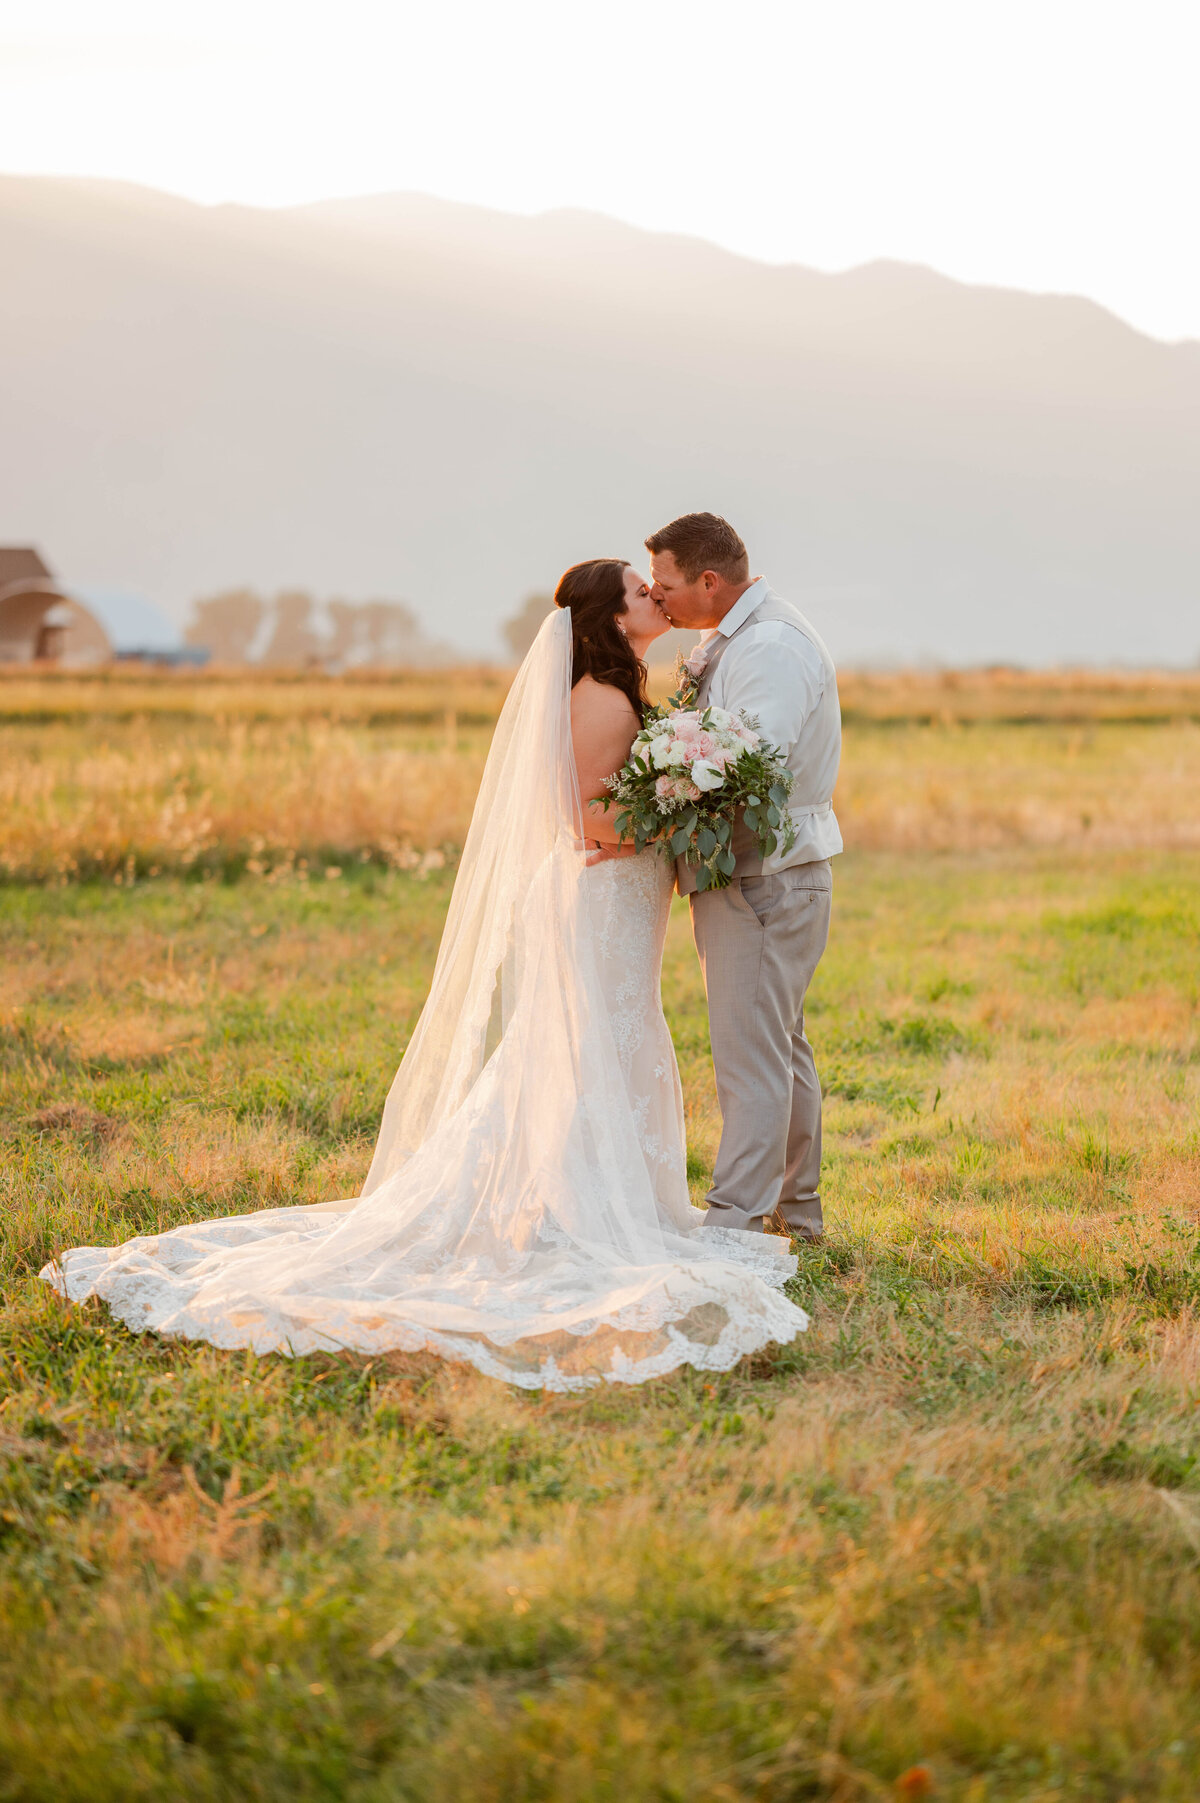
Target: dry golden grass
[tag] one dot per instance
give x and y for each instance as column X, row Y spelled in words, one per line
column 1009, row 696
column 415, row 697
column 273, row 799
column 987, row 787
column 123, row 693
column 121, row 776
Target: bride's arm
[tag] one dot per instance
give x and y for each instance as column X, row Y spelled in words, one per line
column 603, row 727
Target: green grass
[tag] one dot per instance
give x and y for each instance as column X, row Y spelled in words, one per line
column 946, row 1544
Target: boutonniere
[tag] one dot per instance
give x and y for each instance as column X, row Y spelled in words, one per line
column 688, row 671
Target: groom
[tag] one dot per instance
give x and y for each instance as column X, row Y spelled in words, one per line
column 760, row 940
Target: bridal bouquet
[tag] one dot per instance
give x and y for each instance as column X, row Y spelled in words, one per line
column 690, row 772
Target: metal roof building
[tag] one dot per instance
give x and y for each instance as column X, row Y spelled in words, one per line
column 44, row 620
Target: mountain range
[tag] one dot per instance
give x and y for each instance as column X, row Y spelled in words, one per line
column 403, row 397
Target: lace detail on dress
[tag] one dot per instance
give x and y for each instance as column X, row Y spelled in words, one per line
column 716, row 1302
column 630, row 899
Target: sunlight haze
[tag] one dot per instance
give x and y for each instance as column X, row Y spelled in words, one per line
column 1046, row 146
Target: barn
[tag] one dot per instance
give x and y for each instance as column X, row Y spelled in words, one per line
column 43, row 620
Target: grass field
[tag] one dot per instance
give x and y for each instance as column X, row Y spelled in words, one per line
column 946, row 1545
column 127, row 776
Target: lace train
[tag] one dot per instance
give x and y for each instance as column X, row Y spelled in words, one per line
column 708, row 1309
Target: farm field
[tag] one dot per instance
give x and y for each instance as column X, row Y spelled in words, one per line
column 946, row 1545
column 127, row 776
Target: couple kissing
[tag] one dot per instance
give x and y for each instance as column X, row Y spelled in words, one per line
column 526, row 1209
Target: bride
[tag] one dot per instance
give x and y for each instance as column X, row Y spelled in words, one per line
column 526, row 1209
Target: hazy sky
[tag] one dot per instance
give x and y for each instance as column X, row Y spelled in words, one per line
column 1045, row 144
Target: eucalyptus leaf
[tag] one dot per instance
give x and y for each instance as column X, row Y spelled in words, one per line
column 703, row 877
column 707, row 842
column 725, row 862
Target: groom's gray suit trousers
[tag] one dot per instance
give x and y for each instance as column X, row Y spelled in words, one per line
column 760, row 940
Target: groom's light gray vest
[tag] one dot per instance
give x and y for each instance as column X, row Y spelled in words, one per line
column 812, row 758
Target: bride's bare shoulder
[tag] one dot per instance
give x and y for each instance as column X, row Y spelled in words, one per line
column 603, row 727
column 600, row 701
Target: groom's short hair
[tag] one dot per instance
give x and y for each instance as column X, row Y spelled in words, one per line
column 703, row 541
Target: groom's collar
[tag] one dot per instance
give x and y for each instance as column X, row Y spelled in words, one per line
column 743, row 607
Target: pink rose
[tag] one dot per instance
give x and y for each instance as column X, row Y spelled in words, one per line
column 664, row 787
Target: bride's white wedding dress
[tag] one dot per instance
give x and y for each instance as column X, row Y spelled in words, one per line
column 526, row 1209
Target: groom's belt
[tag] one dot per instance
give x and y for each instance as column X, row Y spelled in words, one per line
column 745, row 846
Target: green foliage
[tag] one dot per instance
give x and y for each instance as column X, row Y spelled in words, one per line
column 1165, row 916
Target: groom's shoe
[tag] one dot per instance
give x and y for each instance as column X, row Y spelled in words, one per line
column 802, row 1220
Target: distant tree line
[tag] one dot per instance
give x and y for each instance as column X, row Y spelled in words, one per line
column 291, row 628
column 522, row 628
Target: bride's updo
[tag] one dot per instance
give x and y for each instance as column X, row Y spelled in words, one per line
column 595, row 593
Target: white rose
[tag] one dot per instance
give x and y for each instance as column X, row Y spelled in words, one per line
column 706, row 775
column 658, row 750
column 720, row 716
column 678, row 754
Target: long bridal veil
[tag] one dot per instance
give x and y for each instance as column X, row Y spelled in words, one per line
column 509, row 1217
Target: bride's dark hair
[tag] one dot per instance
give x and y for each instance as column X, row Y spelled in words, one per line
column 595, row 593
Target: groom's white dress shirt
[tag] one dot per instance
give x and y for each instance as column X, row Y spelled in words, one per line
column 780, row 671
